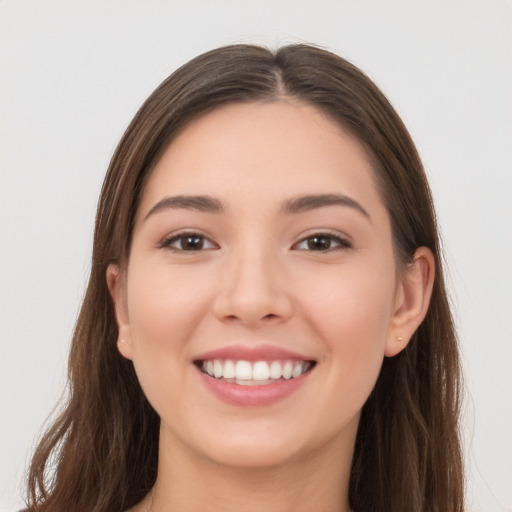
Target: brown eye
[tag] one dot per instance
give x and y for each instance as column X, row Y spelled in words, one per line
column 322, row 243
column 319, row 243
column 188, row 242
column 191, row 243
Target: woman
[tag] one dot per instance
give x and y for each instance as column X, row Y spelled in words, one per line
column 266, row 324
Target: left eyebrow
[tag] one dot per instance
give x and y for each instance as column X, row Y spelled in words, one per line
column 312, row 202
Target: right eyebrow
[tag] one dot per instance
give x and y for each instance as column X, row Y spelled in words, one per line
column 200, row 203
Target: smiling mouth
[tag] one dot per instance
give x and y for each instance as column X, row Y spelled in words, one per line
column 254, row 373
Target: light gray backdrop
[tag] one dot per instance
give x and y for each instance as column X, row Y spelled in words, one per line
column 73, row 74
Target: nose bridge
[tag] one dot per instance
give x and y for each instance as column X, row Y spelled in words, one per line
column 252, row 287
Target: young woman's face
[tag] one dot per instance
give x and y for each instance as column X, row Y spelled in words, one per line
column 261, row 289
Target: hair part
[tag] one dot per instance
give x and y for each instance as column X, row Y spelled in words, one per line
column 104, row 446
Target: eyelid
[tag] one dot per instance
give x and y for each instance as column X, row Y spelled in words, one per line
column 343, row 241
column 168, row 240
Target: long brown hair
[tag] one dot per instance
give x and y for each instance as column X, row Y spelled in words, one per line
column 101, row 454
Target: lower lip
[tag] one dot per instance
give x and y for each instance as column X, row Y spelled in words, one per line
column 266, row 394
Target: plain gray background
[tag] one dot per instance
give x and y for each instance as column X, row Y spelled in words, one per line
column 74, row 73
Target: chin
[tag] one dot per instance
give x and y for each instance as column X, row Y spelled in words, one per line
column 255, row 456
column 261, row 446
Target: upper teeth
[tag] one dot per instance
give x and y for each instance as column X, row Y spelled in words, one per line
column 247, row 371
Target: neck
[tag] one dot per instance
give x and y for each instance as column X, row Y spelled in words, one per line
column 188, row 482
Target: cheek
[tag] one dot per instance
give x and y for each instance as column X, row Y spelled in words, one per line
column 351, row 313
column 351, row 304
column 164, row 305
column 165, row 309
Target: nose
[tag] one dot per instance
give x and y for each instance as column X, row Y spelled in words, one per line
column 253, row 291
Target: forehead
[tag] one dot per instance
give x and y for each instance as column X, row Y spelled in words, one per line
column 262, row 151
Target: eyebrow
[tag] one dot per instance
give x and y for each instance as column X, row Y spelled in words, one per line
column 312, row 202
column 200, row 203
column 208, row 204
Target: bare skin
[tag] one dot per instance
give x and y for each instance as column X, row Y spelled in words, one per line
column 271, row 260
column 302, row 487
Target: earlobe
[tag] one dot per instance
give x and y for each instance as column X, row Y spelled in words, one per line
column 412, row 301
column 124, row 349
column 117, row 289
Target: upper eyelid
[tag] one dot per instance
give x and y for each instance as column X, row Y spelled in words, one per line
column 343, row 240
column 198, row 232
column 326, row 232
column 167, row 239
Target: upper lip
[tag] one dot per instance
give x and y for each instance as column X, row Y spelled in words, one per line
column 252, row 353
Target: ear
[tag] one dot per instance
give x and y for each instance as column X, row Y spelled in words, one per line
column 116, row 283
column 412, row 300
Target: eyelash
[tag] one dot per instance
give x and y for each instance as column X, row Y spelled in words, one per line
column 167, row 243
column 342, row 244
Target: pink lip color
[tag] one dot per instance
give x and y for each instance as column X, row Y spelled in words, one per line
column 266, row 394
column 252, row 353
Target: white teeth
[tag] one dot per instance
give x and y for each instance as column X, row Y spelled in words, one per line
column 276, row 370
column 229, row 370
column 297, row 370
column 217, row 369
column 287, row 370
column 252, row 373
column 260, row 371
column 243, row 370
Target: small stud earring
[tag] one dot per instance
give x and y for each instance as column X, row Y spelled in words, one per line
column 120, row 341
column 399, row 338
